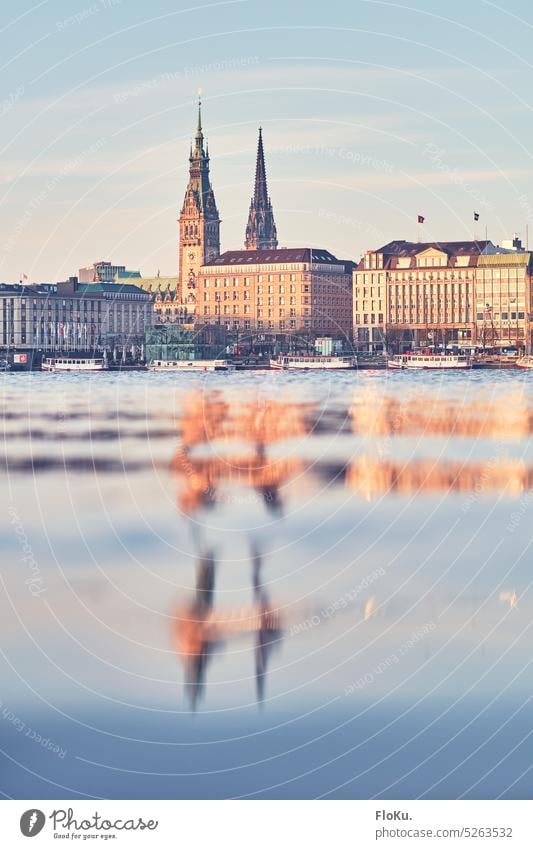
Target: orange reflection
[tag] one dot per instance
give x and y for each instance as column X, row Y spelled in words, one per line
column 237, row 436
column 200, row 630
column 372, row 477
column 506, row 416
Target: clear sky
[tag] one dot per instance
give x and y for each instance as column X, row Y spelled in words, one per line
column 372, row 112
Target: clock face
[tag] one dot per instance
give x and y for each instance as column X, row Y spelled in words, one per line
column 191, row 256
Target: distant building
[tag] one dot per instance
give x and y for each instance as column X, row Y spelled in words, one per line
column 72, row 316
column 262, row 289
column 503, row 299
column 436, row 294
column 416, row 293
column 304, row 291
column 105, row 272
column 184, row 342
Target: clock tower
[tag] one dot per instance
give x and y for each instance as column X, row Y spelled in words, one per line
column 199, row 224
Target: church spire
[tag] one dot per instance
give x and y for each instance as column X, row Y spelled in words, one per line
column 261, row 229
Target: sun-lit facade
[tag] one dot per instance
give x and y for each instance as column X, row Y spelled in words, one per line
column 298, row 290
column 468, row 294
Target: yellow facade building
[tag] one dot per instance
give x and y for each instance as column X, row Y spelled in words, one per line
column 464, row 294
column 294, row 290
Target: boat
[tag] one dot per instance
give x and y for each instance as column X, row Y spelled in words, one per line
column 320, row 363
column 191, row 365
column 525, row 362
column 73, row 364
column 429, row 361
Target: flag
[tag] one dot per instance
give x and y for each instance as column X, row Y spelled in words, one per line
column 24, row 276
column 476, row 216
column 421, row 219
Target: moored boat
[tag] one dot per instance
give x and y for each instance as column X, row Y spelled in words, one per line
column 73, row 364
column 191, row 365
column 321, row 363
column 525, row 362
column 429, row 361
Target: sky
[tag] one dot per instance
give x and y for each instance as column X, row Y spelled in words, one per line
column 373, row 112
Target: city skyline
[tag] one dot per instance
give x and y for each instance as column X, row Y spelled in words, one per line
column 95, row 167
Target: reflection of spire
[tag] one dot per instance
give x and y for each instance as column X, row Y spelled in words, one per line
column 196, row 645
column 199, row 630
column 269, row 633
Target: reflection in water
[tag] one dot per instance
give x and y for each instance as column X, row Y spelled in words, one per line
column 507, row 416
column 239, row 435
column 244, row 433
column 351, row 552
column 229, row 443
column 200, row 630
column 372, row 477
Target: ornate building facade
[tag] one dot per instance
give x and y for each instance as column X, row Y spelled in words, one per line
column 199, row 223
column 261, row 234
column 258, row 290
column 468, row 294
column 299, row 291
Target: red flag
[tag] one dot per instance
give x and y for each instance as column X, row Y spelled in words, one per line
column 421, row 219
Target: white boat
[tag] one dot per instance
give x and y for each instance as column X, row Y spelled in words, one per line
column 73, row 364
column 191, row 365
column 429, row 361
column 290, row 361
column 525, row 362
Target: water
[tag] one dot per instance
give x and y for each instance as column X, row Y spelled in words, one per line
column 266, row 585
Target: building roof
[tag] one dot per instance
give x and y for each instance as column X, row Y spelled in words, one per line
column 506, row 257
column 127, row 275
column 113, row 288
column 244, row 257
column 401, row 249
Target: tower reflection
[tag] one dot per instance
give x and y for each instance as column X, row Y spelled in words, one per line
column 222, row 446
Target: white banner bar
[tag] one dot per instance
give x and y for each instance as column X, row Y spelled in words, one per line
column 268, row 824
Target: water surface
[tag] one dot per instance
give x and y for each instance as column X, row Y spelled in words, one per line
column 266, row 585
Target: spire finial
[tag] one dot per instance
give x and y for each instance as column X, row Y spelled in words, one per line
column 199, row 130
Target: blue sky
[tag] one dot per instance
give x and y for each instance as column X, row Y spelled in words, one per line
column 372, row 113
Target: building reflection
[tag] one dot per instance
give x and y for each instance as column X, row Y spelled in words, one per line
column 227, row 445
column 200, row 630
column 238, row 436
column 223, row 446
column 372, row 477
column 506, row 416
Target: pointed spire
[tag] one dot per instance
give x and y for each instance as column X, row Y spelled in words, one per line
column 260, row 189
column 199, row 128
column 261, row 230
